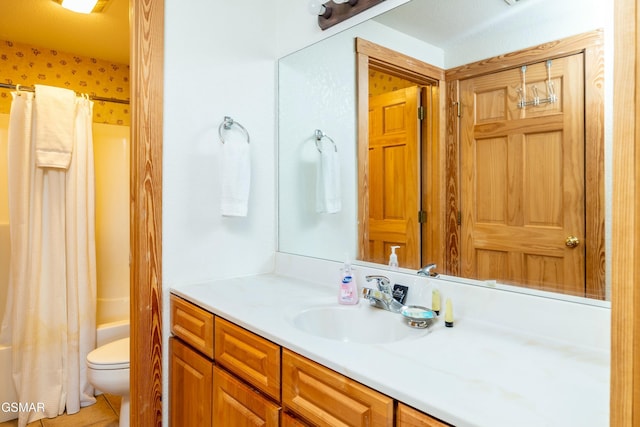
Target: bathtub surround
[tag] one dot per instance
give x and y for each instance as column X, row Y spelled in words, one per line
column 50, row 317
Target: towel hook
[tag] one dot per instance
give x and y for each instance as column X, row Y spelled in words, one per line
column 227, row 123
column 319, row 135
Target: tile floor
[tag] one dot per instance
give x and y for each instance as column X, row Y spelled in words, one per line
column 104, row 413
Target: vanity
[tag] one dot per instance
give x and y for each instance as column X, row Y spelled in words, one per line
column 245, row 347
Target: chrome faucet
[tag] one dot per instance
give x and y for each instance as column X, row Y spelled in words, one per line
column 428, row 270
column 382, row 297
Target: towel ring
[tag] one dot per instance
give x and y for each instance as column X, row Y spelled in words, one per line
column 319, row 135
column 226, row 125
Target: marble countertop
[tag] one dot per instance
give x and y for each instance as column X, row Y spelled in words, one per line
column 474, row 374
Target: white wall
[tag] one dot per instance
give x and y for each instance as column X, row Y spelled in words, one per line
column 219, row 61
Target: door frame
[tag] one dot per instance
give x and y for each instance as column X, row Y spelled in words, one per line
column 373, row 56
column 147, row 80
column 625, row 269
column 591, row 44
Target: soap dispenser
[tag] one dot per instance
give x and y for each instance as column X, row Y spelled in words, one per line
column 393, row 258
column 348, row 293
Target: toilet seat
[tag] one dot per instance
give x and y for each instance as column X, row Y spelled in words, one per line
column 114, row 355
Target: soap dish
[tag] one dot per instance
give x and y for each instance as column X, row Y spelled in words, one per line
column 417, row 316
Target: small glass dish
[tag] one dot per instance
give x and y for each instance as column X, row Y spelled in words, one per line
column 418, row 316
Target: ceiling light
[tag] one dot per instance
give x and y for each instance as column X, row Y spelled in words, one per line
column 83, row 6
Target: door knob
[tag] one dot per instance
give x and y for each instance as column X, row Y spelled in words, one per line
column 572, row 241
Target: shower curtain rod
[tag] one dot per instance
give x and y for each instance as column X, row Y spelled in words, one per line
column 94, row 98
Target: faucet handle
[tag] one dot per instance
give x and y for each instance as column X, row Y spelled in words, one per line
column 382, row 282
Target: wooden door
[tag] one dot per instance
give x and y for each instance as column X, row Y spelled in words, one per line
column 190, row 379
column 523, row 178
column 394, row 178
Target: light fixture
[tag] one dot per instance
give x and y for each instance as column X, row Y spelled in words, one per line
column 317, row 8
column 333, row 12
column 83, row 6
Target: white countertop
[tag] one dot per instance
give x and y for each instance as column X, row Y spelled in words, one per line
column 474, row 374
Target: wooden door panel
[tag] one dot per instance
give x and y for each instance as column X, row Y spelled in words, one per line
column 523, row 178
column 394, row 178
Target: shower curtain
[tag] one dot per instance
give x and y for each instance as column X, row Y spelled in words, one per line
column 51, row 313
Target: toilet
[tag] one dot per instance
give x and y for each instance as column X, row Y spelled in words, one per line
column 108, row 372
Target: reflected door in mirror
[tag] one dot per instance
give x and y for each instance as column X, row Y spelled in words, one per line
column 394, row 178
column 523, row 179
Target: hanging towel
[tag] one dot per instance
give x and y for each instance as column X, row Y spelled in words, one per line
column 55, row 113
column 328, row 196
column 236, row 178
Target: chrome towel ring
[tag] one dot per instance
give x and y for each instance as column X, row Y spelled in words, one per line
column 319, row 136
column 226, row 124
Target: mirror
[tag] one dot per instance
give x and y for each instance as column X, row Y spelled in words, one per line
column 318, row 91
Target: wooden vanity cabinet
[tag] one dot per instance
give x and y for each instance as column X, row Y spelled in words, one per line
column 326, row 398
column 407, row 416
column 220, row 374
column 223, row 375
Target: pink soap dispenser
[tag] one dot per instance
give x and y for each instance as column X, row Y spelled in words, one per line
column 348, row 293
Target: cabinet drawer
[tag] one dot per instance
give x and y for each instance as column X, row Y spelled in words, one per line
column 192, row 324
column 326, row 398
column 252, row 358
column 406, row 416
column 236, row 404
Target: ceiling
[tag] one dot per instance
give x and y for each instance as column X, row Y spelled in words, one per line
column 45, row 23
column 443, row 22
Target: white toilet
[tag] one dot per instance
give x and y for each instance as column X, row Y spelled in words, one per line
column 108, row 372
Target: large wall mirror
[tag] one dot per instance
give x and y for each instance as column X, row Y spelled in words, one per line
column 328, row 98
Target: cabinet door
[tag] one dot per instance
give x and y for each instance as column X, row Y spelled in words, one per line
column 236, row 404
column 326, row 398
column 409, row 417
column 190, row 377
column 250, row 357
column 289, row 420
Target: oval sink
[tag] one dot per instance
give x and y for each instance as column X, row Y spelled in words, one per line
column 359, row 323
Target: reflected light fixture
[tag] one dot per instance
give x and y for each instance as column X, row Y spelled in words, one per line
column 333, row 12
column 83, row 6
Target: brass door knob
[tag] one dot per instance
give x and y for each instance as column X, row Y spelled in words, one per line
column 572, row 241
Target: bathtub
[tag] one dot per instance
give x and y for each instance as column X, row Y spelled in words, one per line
column 105, row 333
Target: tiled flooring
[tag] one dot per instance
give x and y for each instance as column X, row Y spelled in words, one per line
column 104, row 413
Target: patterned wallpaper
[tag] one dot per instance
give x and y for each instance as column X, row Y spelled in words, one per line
column 380, row 83
column 28, row 65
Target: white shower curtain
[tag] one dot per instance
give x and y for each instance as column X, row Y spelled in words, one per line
column 51, row 313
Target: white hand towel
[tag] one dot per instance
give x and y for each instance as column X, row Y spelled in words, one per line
column 55, row 116
column 328, row 195
column 236, row 178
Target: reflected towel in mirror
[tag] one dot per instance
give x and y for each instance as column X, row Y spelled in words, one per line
column 328, row 194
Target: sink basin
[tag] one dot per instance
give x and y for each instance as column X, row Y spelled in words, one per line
column 359, row 323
